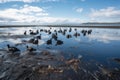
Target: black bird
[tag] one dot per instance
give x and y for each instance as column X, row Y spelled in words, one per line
column 84, row 34
column 76, row 34
column 75, row 29
column 64, row 32
column 12, row 49
column 89, row 31
column 30, row 49
column 56, row 33
column 41, row 30
column 69, row 36
column 70, row 29
column 31, row 40
column 55, row 30
column 25, row 32
column 49, row 32
column 82, row 31
column 54, row 36
column 36, row 41
column 60, row 30
column 37, row 32
column 49, row 42
column 38, row 37
column 59, row 42
column 45, row 31
column 33, row 33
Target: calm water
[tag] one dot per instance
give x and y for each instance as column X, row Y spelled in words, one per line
column 99, row 47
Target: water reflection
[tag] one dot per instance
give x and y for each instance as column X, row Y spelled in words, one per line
column 105, row 37
column 35, row 34
column 69, row 40
column 93, row 34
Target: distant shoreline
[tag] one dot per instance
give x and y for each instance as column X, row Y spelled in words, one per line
column 81, row 26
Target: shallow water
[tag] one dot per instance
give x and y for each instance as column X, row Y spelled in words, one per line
column 99, row 47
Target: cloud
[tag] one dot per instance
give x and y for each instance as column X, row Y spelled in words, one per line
column 79, row 10
column 24, row 13
column 26, row 9
column 31, row 14
column 106, row 13
column 27, row 1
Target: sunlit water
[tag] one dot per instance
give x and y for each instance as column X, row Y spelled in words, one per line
column 99, row 47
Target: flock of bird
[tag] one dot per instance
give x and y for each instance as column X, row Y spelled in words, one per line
column 54, row 36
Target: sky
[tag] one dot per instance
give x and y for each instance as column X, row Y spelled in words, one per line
column 58, row 11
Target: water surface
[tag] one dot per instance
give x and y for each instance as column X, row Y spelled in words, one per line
column 98, row 48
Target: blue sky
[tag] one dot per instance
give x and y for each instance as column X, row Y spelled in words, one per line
column 59, row 11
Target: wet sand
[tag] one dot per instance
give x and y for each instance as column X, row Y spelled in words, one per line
column 49, row 65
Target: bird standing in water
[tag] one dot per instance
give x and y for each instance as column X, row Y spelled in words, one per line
column 36, row 41
column 25, row 33
column 49, row 42
column 12, row 49
column 59, row 42
column 30, row 49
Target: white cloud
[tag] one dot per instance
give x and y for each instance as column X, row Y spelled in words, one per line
column 30, row 9
column 24, row 13
column 31, row 14
column 26, row 9
column 27, row 1
column 79, row 10
column 107, row 13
